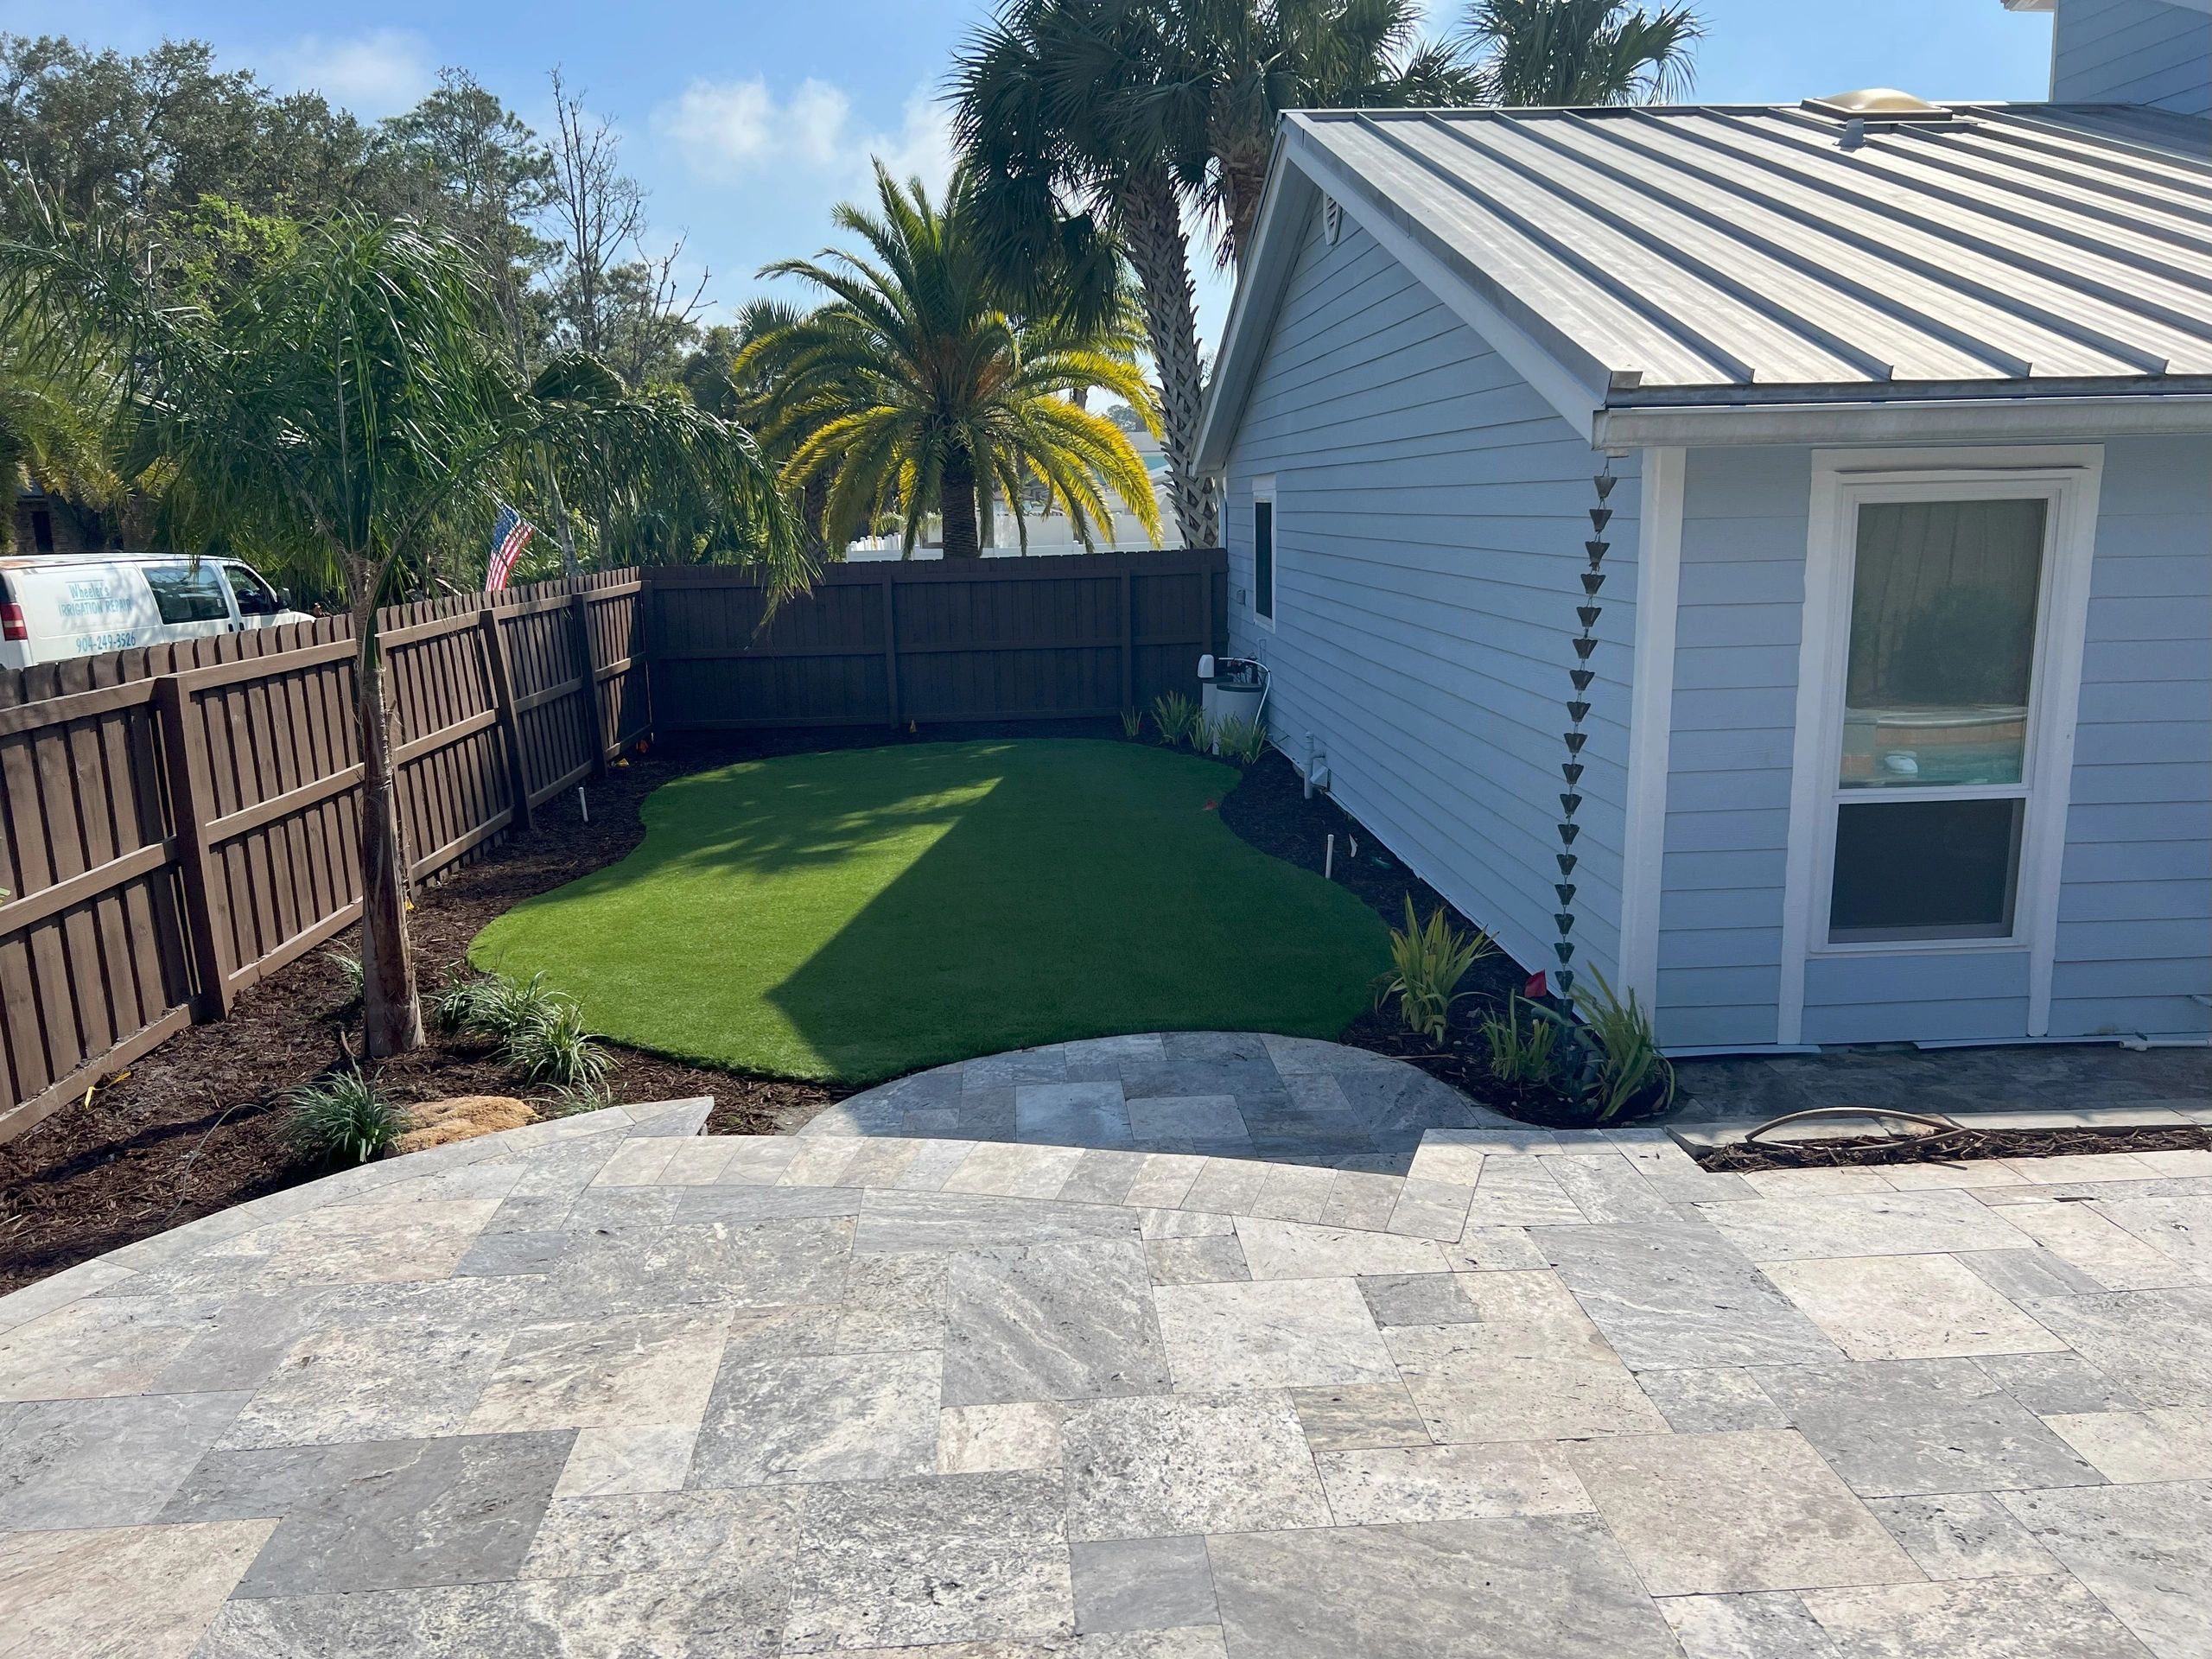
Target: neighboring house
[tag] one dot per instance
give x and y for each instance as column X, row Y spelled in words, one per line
column 1897, row 722
column 2153, row 51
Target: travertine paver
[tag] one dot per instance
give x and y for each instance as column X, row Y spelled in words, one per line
column 600, row 1386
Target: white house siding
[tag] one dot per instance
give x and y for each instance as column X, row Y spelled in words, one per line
column 2133, row 52
column 1430, row 515
column 2135, row 912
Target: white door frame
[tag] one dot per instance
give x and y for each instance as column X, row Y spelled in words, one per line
column 2069, row 476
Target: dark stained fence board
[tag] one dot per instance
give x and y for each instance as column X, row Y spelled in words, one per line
column 885, row 643
column 178, row 822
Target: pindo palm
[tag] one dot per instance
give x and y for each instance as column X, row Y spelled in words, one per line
column 1428, row 960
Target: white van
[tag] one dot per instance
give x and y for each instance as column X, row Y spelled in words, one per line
column 54, row 605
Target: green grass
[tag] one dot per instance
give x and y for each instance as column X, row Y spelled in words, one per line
column 856, row 914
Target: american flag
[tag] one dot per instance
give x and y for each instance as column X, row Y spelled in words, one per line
column 510, row 535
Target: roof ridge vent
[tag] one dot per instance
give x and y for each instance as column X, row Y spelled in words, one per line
column 1879, row 103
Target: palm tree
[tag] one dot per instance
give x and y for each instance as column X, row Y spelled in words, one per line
column 330, row 415
column 1307, row 54
column 1084, row 115
column 53, row 428
column 1579, row 53
column 915, row 387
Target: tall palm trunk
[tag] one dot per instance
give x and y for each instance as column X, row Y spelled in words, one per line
column 1150, row 219
column 392, row 1016
column 956, row 492
column 1244, row 182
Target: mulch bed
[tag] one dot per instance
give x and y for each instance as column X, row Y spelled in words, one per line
column 196, row 1126
column 1954, row 1146
column 1270, row 811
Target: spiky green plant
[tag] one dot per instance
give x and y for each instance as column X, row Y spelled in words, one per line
column 343, row 1118
column 1176, row 716
column 349, row 972
column 554, row 1047
column 1614, row 1062
column 568, row 1099
column 1240, row 739
column 1131, row 722
column 1428, row 961
column 462, row 1002
column 1525, row 1055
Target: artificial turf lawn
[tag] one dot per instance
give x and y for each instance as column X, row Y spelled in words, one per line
column 858, row 913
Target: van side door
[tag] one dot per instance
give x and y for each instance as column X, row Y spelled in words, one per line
column 191, row 597
column 259, row 603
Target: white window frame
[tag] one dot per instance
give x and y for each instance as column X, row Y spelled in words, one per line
column 2069, row 478
column 1263, row 489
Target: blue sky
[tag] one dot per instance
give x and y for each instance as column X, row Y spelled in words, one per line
column 747, row 120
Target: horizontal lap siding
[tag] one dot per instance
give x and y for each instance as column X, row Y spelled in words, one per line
column 1430, row 514
column 2135, row 915
column 2133, row 52
column 2134, row 942
column 1737, row 634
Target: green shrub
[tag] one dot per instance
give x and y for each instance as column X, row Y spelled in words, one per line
column 553, row 1047
column 1523, row 1054
column 343, row 1118
column 350, row 972
column 506, row 1008
column 1614, row 1061
column 1428, row 960
column 1177, row 717
column 1242, row 741
column 569, row 1098
column 461, row 1004
column 1131, row 722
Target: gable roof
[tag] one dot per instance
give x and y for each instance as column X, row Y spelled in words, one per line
column 1712, row 258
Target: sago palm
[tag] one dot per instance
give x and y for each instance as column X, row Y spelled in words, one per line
column 915, row 387
column 329, row 416
column 1581, row 53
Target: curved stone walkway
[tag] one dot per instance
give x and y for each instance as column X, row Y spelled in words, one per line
column 602, row 1388
column 1217, row 1094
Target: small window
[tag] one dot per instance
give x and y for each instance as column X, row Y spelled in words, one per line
column 187, row 593
column 255, row 596
column 41, row 530
column 1263, row 560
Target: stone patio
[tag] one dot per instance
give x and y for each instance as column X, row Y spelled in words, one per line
column 603, row 1387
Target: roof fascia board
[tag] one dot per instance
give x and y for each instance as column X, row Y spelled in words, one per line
column 2008, row 419
column 1301, row 172
column 1285, row 206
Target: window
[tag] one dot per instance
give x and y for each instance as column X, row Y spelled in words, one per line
column 189, row 592
column 255, row 596
column 1264, row 551
column 41, row 530
column 1932, row 780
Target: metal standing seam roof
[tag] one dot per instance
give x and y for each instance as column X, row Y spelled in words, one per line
column 1680, row 255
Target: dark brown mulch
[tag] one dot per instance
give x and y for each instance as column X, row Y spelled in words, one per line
column 193, row 1128
column 1270, row 811
column 1953, row 1145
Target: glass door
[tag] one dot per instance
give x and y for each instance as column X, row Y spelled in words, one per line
column 1934, row 777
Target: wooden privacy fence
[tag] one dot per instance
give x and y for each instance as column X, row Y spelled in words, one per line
column 177, row 821
column 890, row 642
column 176, row 824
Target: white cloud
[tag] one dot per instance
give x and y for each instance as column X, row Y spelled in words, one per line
column 378, row 73
column 728, row 131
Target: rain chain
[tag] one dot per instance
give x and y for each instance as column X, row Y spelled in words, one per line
column 1577, row 710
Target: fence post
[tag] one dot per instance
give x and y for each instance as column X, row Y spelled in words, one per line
column 1129, row 641
column 595, row 727
column 206, row 906
column 891, row 650
column 501, row 672
column 1205, row 610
